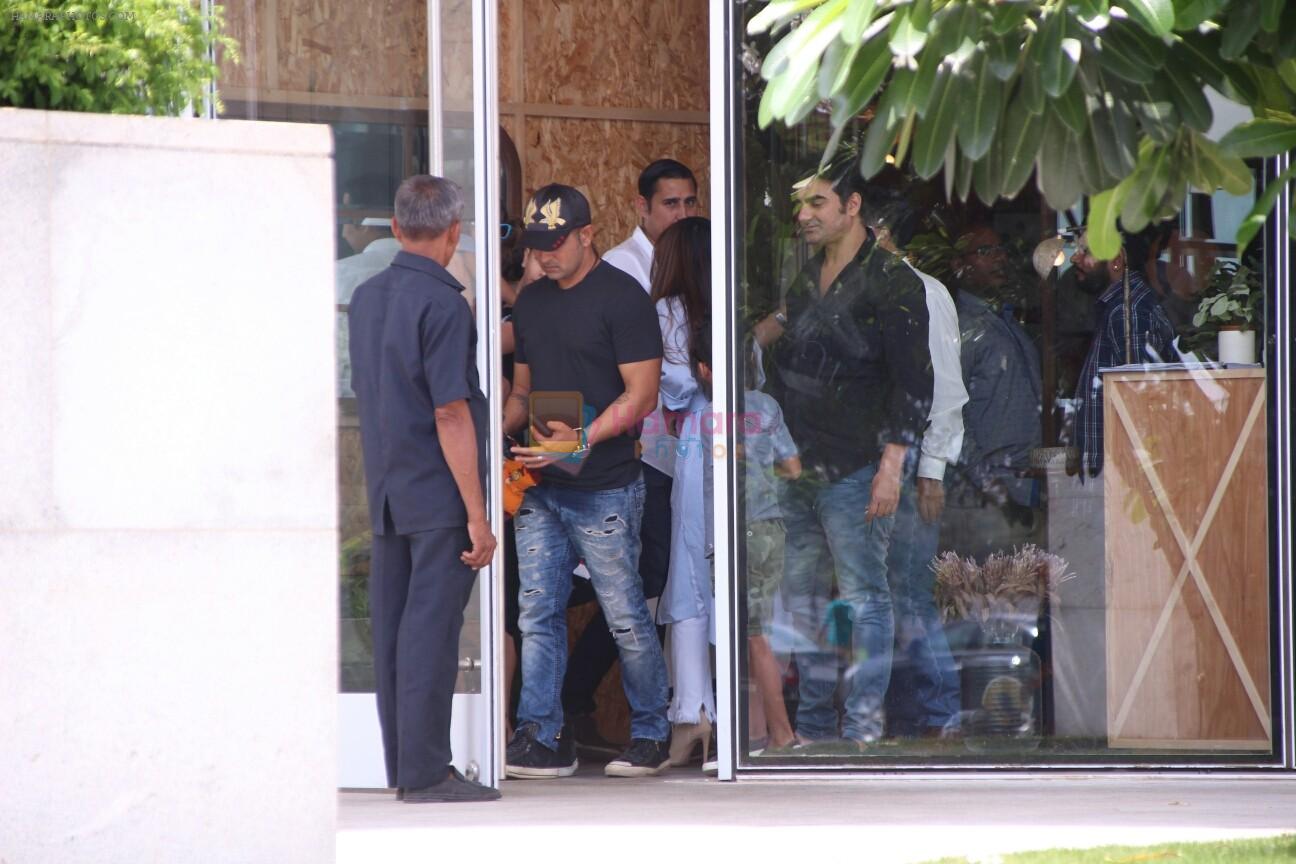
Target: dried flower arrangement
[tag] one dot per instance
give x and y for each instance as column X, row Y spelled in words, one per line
column 1007, row 586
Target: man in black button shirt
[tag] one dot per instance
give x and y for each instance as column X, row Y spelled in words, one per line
column 422, row 427
column 853, row 358
column 587, row 364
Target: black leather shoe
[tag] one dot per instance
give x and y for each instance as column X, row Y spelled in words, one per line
column 455, row 787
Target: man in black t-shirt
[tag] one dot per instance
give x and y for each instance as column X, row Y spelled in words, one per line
column 587, row 362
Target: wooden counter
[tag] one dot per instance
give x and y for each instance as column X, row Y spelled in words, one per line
column 1187, row 549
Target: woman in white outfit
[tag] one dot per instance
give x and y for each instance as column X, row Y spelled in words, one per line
column 681, row 288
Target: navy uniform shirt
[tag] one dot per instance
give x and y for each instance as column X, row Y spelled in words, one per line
column 413, row 350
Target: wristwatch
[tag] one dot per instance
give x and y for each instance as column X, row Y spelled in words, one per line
column 780, row 318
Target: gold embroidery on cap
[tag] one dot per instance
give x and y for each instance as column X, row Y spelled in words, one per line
column 530, row 212
column 552, row 213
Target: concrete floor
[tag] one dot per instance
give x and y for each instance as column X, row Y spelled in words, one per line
column 681, row 815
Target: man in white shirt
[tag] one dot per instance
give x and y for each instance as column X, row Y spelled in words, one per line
column 924, row 693
column 667, row 194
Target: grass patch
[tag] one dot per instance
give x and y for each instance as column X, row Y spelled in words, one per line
column 1265, row 849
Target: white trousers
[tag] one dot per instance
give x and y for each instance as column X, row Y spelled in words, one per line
column 690, row 652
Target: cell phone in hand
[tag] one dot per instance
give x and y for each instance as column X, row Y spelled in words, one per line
column 563, row 406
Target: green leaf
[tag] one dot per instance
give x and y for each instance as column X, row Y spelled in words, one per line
column 1155, row 16
column 1008, row 17
column 1242, row 26
column 955, row 24
column 1226, row 171
column 935, row 131
column 1270, row 14
column 1057, row 168
column 866, row 73
column 1071, row 108
column 776, row 11
column 979, row 116
column 1093, row 172
column 856, row 20
column 1090, row 9
column 1255, row 219
column 1123, row 56
column 987, row 178
column 1190, row 14
column 1287, row 72
column 880, row 135
column 1185, row 91
column 1100, row 225
column 1147, row 186
column 1257, row 138
column 1032, row 87
column 1003, row 58
column 1114, row 132
column 1152, row 106
column 909, row 29
column 1060, row 55
column 921, row 90
column 1018, row 145
column 963, row 179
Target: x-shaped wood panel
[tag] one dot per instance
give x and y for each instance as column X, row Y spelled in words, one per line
column 1190, row 566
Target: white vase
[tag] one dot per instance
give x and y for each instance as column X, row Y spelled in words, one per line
column 1237, row 346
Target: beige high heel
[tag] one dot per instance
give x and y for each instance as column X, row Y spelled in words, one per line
column 685, row 735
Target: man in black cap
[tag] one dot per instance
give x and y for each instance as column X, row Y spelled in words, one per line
column 422, row 426
column 587, row 362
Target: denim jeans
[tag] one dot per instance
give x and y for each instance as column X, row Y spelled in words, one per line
column 924, row 668
column 555, row 528
column 826, row 533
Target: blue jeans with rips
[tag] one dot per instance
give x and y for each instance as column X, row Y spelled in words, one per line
column 826, row 533
column 925, row 671
column 555, row 528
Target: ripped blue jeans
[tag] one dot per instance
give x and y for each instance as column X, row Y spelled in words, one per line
column 555, row 528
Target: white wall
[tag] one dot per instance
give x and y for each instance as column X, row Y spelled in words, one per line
column 168, row 561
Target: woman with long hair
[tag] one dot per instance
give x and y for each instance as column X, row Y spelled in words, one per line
column 681, row 288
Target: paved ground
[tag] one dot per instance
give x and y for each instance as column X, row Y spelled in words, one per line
column 681, row 816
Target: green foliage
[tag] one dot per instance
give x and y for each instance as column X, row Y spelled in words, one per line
column 1102, row 99
column 1234, row 296
column 108, row 56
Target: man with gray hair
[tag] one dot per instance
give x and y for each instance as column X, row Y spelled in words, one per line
column 422, row 426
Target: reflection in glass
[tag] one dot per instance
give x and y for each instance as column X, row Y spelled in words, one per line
column 1076, row 568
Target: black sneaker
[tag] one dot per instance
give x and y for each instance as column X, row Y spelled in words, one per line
column 528, row 759
column 454, row 788
column 644, row 758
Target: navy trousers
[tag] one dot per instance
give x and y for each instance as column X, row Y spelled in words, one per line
column 418, row 589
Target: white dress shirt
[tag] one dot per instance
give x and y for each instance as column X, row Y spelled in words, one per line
column 943, row 440
column 634, row 256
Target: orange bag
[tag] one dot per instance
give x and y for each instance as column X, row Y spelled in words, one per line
column 517, row 479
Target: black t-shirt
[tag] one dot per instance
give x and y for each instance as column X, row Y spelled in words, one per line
column 573, row 340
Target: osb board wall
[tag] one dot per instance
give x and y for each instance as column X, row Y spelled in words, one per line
column 370, row 53
column 622, row 53
column 591, row 91
column 604, row 158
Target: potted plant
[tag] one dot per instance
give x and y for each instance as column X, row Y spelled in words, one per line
column 1232, row 307
column 1001, row 679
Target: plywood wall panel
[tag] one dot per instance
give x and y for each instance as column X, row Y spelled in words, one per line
column 241, row 26
column 618, row 53
column 356, row 49
column 604, row 158
column 509, row 38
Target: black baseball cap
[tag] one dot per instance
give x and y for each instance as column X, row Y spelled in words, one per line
column 553, row 212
